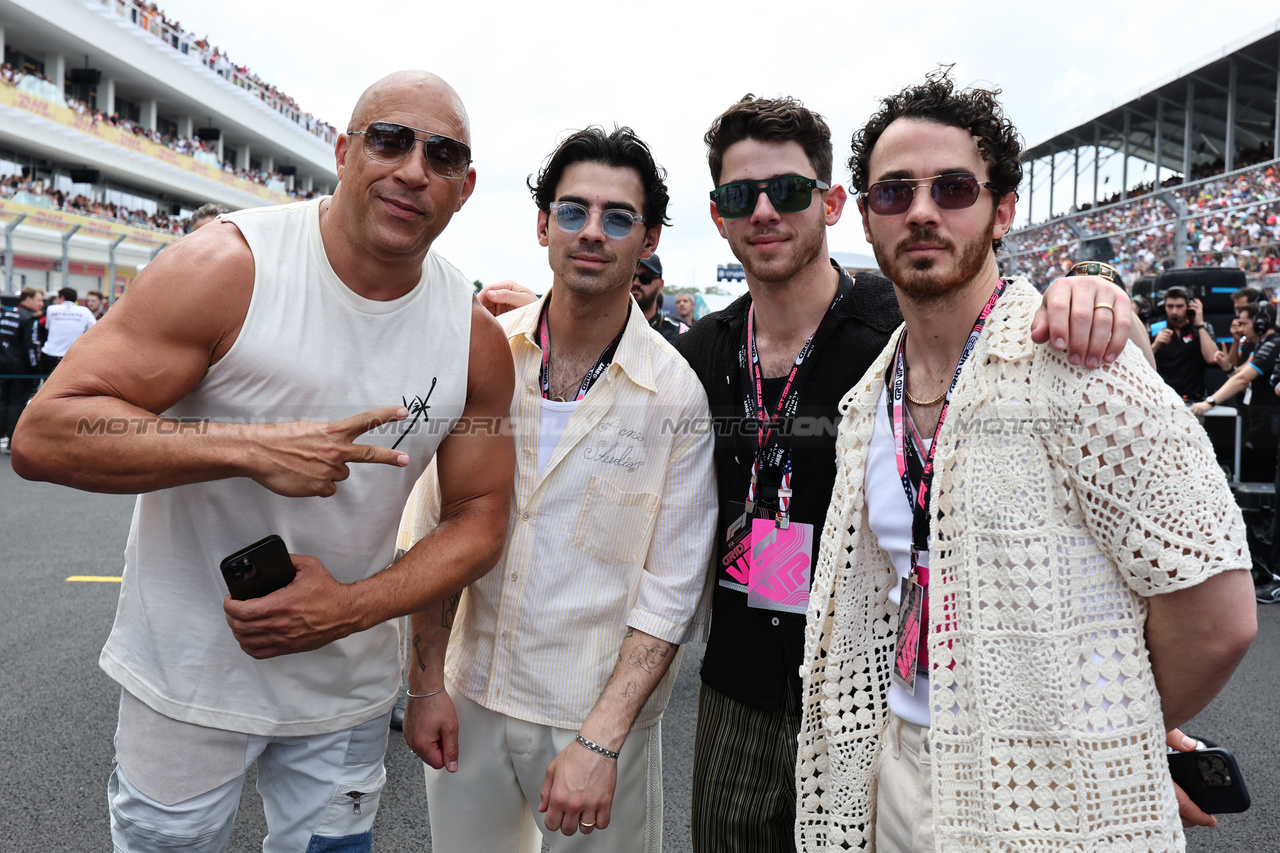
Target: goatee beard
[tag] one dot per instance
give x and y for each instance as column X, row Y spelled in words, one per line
column 921, row 279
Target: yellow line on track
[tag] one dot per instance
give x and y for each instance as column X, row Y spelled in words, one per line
column 94, row 578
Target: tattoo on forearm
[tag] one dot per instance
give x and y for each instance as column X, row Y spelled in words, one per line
column 650, row 657
column 449, row 609
column 418, row 653
column 629, row 690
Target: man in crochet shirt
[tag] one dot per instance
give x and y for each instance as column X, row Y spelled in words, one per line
column 1020, row 590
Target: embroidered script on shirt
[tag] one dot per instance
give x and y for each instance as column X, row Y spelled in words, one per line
column 619, row 448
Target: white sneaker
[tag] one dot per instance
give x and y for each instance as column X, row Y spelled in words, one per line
column 4, row 446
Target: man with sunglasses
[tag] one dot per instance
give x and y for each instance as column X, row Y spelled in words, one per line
column 646, row 287
column 1014, row 566
column 225, row 389
column 776, row 364
column 562, row 659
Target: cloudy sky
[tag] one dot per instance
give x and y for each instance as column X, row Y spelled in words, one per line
column 530, row 72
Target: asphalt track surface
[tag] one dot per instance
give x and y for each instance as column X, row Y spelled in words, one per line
column 59, row 710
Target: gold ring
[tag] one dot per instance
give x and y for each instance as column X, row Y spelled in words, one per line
column 1106, row 305
column 587, row 825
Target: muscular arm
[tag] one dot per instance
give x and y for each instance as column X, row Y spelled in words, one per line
column 1196, row 637
column 93, row 425
column 476, row 469
column 579, row 784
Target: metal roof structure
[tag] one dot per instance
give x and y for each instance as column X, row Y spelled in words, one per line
column 1218, row 114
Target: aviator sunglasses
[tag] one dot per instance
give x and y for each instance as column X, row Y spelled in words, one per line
column 572, row 217
column 388, row 142
column 950, row 192
column 787, row 194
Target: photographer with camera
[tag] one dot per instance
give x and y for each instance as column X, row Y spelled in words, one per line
column 1184, row 347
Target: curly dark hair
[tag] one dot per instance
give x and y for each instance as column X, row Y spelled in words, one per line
column 781, row 119
column 620, row 149
column 937, row 100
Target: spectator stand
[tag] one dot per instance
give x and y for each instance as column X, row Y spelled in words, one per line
column 1230, row 220
column 106, row 240
column 151, row 19
column 194, row 156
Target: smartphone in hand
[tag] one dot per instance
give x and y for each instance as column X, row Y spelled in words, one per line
column 259, row 569
column 1211, row 778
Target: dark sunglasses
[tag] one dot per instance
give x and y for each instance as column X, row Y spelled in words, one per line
column 787, row 194
column 646, row 278
column 950, row 192
column 387, row 142
column 572, row 217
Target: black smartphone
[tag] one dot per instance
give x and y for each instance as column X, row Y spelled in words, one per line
column 1211, row 778
column 259, row 569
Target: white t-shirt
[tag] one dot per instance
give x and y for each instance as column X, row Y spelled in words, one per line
column 551, row 425
column 65, row 322
column 889, row 515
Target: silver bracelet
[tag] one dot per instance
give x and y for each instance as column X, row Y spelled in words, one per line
column 595, row 747
column 423, row 695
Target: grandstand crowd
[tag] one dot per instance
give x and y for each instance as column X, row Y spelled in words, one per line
column 190, row 146
column 12, row 185
column 153, row 20
column 1231, row 220
column 23, row 188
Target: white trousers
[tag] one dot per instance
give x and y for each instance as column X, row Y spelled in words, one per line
column 904, row 798
column 491, row 802
column 177, row 786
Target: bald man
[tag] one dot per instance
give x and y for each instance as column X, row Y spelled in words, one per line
column 287, row 371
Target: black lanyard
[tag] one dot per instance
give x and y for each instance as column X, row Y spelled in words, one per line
column 606, row 357
column 769, row 452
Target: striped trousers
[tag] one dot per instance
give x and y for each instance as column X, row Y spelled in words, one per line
column 744, row 775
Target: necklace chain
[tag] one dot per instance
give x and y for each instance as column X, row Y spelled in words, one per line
column 935, row 401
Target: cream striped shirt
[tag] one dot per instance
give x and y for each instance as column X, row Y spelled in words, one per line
column 616, row 531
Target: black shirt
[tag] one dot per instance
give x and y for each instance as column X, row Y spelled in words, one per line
column 1181, row 364
column 19, row 340
column 752, row 652
column 1264, row 364
column 665, row 327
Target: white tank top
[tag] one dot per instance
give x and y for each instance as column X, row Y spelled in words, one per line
column 309, row 349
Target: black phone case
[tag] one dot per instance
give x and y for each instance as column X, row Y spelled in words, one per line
column 259, row 569
column 1211, row 778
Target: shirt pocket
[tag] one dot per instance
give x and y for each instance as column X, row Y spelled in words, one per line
column 613, row 526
